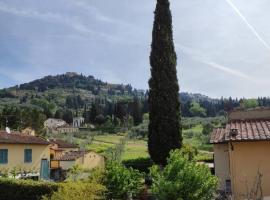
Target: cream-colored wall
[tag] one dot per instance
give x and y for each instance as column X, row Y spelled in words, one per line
column 16, row 156
column 65, row 165
column 247, row 158
column 221, row 159
column 91, row 160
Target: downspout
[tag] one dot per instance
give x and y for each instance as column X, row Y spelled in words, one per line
column 231, row 160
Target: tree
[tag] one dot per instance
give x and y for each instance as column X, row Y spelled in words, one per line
column 93, row 113
column 183, row 179
column 136, row 111
column 250, row 103
column 59, row 114
column 68, row 116
column 122, row 182
column 207, row 129
column 197, row 110
column 164, row 105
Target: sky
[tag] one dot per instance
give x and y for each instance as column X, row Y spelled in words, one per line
column 223, row 46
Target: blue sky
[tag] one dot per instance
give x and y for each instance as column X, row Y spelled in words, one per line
column 222, row 45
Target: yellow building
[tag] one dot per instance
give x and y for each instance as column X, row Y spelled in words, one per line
column 58, row 147
column 29, row 155
column 65, row 155
column 85, row 159
column 241, row 155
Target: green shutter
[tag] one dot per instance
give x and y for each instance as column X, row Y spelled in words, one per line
column 3, row 156
column 28, row 155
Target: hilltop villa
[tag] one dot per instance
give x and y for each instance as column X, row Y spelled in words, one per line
column 241, row 155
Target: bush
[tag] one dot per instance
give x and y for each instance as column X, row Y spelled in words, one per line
column 122, row 182
column 141, row 164
column 78, row 190
column 182, row 179
column 12, row 189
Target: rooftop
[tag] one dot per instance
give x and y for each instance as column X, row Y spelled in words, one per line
column 242, row 130
column 62, row 143
column 17, row 138
column 70, row 156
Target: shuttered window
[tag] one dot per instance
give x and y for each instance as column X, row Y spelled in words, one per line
column 3, row 156
column 28, row 155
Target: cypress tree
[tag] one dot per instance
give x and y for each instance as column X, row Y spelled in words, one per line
column 164, row 105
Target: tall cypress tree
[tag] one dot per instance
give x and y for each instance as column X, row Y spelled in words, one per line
column 164, row 105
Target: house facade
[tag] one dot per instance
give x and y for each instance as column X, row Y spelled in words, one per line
column 241, row 155
column 28, row 154
column 84, row 159
column 65, row 155
column 54, row 123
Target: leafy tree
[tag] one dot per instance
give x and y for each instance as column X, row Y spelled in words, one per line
column 197, row 110
column 68, row 116
column 164, row 105
column 59, row 114
column 182, row 179
column 207, row 129
column 122, row 182
column 250, row 103
column 100, row 119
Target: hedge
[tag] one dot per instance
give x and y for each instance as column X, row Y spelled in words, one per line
column 141, row 164
column 13, row 189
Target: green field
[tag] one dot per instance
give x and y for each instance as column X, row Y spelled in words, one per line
column 102, row 143
column 135, row 149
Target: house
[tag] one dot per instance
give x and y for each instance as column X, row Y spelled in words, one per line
column 58, row 147
column 29, row 154
column 65, row 155
column 85, row 159
column 28, row 131
column 56, row 126
column 54, row 123
column 241, row 154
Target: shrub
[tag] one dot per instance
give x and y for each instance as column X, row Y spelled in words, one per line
column 78, row 190
column 182, row 179
column 12, row 189
column 141, row 164
column 122, row 182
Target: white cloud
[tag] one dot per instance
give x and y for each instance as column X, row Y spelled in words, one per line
column 251, row 28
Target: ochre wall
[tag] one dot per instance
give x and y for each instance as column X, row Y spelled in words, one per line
column 247, row 159
column 16, row 156
column 221, row 158
column 91, row 160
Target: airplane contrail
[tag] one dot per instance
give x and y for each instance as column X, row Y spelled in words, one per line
column 253, row 30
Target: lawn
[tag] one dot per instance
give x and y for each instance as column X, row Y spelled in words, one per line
column 112, row 139
column 101, row 143
column 135, row 149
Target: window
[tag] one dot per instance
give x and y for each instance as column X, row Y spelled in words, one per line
column 28, row 155
column 3, row 156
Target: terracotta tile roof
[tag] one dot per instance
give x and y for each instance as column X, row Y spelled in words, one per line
column 70, row 156
column 62, row 143
column 16, row 138
column 242, row 130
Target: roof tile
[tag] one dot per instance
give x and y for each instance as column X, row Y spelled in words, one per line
column 247, row 130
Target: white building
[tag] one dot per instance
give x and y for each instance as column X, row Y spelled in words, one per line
column 78, row 121
column 52, row 123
